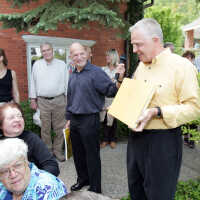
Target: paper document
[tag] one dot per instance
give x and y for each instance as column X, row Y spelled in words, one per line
column 132, row 98
column 68, row 144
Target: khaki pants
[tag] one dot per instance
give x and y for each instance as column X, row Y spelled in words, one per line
column 52, row 114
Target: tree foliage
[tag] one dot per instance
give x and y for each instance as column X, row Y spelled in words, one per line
column 190, row 9
column 170, row 24
column 75, row 12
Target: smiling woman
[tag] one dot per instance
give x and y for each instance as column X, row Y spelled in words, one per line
column 23, row 180
column 12, row 125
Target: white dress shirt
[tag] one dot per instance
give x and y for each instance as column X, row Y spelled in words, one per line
column 49, row 79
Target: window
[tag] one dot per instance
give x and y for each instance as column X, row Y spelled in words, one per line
column 60, row 46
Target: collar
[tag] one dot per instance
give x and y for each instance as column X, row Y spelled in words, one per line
column 50, row 62
column 160, row 56
column 87, row 67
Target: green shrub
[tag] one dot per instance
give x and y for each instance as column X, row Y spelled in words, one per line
column 122, row 130
column 189, row 127
column 28, row 117
column 186, row 190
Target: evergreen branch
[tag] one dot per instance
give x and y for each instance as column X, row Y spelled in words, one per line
column 50, row 14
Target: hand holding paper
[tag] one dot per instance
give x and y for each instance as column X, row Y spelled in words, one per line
column 146, row 116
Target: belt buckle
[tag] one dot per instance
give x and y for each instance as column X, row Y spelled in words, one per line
column 49, row 98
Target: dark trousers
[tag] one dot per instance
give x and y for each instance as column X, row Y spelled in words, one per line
column 153, row 164
column 109, row 132
column 84, row 133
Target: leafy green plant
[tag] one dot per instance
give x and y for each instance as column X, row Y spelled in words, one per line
column 192, row 127
column 122, row 130
column 186, row 190
column 170, row 24
column 28, row 116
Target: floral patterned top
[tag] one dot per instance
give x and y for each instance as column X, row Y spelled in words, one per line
column 42, row 186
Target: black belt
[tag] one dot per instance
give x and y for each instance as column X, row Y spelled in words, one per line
column 50, row 98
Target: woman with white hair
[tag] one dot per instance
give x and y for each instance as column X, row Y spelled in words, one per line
column 109, row 123
column 21, row 180
column 12, row 125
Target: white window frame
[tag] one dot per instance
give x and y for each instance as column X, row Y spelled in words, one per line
column 57, row 42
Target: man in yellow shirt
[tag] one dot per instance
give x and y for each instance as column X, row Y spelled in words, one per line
column 154, row 151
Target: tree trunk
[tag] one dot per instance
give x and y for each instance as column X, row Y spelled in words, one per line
column 135, row 12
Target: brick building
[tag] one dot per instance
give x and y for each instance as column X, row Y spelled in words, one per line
column 192, row 34
column 21, row 47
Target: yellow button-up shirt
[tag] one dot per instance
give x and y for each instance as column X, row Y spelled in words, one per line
column 177, row 90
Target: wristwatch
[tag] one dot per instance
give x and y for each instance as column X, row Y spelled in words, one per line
column 159, row 114
column 119, row 81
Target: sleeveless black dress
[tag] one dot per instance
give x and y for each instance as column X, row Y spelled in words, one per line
column 6, row 87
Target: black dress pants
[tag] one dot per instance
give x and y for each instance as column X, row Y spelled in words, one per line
column 109, row 132
column 84, row 133
column 153, row 164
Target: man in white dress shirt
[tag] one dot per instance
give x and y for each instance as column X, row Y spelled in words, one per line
column 48, row 93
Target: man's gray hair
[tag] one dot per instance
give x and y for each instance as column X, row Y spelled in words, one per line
column 11, row 150
column 46, row 43
column 151, row 27
column 85, row 195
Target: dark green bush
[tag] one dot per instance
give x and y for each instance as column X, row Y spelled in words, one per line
column 28, row 116
column 122, row 130
column 186, row 190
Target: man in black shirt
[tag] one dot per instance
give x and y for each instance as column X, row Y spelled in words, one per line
column 87, row 87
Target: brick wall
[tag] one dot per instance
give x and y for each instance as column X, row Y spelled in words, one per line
column 15, row 46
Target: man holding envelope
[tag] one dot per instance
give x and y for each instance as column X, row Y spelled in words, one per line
column 154, row 151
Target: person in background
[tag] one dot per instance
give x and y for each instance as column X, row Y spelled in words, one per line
column 48, row 92
column 87, row 88
column 109, row 123
column 169, row 45
column 191, row 57
column 154, row 151
column 89, row 53
column 197, row 63
column 21, row 180
column 12, row 125
column 8, row 81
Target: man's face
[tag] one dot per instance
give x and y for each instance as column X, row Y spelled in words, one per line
column 13, row 122
column 15, row 176
column 143, row 45
column 47, row 52
column 78, row 55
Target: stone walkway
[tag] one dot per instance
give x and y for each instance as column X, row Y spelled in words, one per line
column 114, row 176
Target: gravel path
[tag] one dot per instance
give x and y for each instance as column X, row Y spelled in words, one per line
column 114, row 175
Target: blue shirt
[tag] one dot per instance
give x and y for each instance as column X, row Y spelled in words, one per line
column 197, row 63
column 42, row 186
column 87, row 90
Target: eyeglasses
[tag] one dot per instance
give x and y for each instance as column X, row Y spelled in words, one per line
column 17, row 167
column 18, row 116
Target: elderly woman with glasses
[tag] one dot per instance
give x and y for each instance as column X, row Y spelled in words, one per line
column 12, row 125
column 21, row 180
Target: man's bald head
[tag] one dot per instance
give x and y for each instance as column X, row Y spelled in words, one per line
column 76, row 45
column 78, row 55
